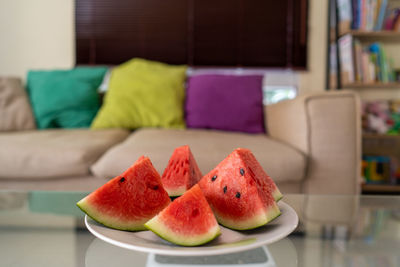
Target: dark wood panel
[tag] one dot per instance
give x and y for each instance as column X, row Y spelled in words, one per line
column 264, row 33
column 215, row 32
column 116, row 31
column 300, row 31
column 258, row 33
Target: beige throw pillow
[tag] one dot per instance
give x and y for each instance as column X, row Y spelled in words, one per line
column 15, row 109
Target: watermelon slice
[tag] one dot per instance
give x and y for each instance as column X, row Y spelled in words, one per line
column 129, row 200
column 240, row 193
column 181, row 172
column 261, row 177
column 187, row 221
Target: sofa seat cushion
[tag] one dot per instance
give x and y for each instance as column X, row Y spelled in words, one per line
column 54, row 153
column 209, row 147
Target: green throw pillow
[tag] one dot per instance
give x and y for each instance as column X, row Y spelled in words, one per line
column 143, row 93
column 65, row 98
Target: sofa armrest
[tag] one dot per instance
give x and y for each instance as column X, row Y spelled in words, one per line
column 15, row 109
column 327, row 128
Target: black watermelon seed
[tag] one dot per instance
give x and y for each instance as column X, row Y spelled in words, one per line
column 195, row 212
column 237, row 194
column 241, row 171
column 225, row 188
column 122, row 179
column 214, row 178
column 155, row 187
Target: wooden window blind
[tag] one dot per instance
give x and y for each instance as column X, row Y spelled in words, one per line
column 245, row 33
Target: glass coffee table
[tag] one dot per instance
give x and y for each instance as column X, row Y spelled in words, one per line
column 47, row 229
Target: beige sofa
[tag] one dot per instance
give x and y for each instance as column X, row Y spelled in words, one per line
column 313, row 146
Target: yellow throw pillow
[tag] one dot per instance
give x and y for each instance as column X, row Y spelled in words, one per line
column 143, row 93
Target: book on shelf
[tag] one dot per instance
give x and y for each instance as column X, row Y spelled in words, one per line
column 382, row 7
column 346, row 59
column 333, row 67
column 364, row 63
column 360, row 71
column 345, row 16
column 368, row 15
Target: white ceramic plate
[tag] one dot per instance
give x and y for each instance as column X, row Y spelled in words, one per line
column 229, row 241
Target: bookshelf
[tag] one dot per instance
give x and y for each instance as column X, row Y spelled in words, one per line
column 380, row 188
column 386, row 148
column 362, row 56
column 374, row 85
column 359, row 35
column 384, row 35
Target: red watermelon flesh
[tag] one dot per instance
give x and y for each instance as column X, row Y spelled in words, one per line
column 129, row 200
column 263, row 180
column 187, row 221
column 181, row 173
column 239, row 198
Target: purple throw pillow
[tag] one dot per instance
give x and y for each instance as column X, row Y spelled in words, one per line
column 225, row 102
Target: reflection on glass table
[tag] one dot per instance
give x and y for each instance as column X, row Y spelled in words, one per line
column 47, row 229
column 98, row 254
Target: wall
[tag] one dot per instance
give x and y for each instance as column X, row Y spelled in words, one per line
column 313, row 80
column 40, row 34
column 36, row 34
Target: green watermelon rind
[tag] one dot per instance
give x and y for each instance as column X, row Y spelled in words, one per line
column 105, row 220
column 277, row 195
column 158, row 227
column 176, row 192
column 257, row 221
